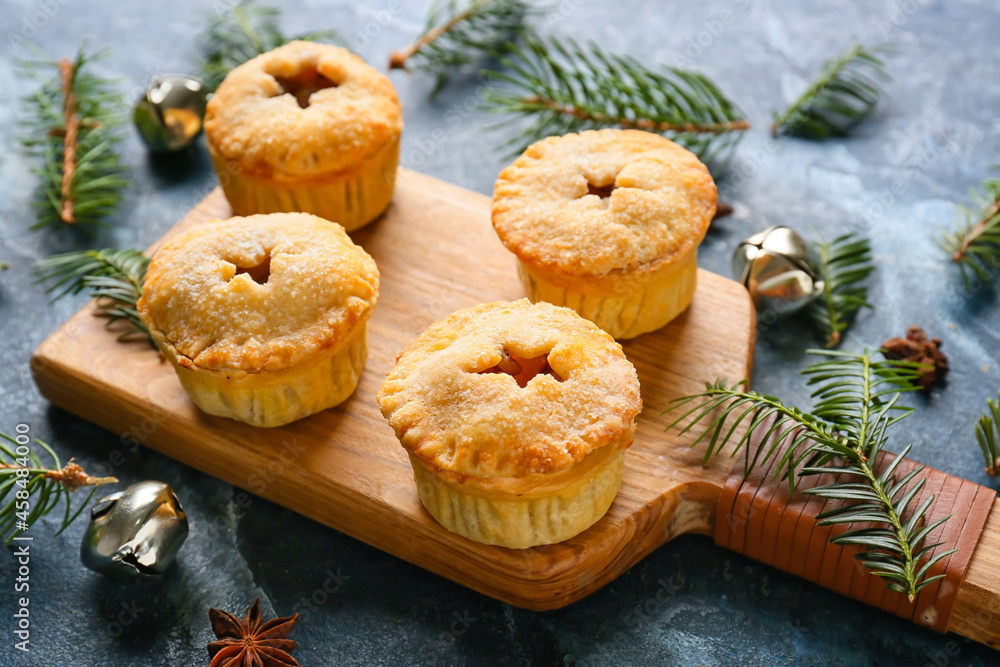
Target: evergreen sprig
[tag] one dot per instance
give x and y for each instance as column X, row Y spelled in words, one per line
column 975, row 244
column 73, row 126
column 30, row 490
column 856, row 403
column 460, row 31
column 844, row 263
column 988, row 435
column 564, row 87
column 845, row 93
column 248, row 30
column 112, row 277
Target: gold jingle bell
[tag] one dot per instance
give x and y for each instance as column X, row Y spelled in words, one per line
column 778, row 267
column 169, row 116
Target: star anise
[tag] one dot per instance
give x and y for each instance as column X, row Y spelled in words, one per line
column 250, row 643
column 917, row 347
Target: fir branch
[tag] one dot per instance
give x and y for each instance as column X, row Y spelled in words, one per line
column 563, row 87
column 975, row 244
column 458, row 32
column 248, row 30
column 845, row 93
column 73, row 125
column 30, row 490
column 988, row 435
column 843, row 264
column 856, row 403
column 112, row 277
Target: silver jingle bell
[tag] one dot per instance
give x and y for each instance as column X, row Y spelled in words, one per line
column 170, row 115
column 136, row 532
column 778, row 267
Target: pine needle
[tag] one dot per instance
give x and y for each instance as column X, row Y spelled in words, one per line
column 856, row 403
column 975, row 244
column 248, row 30
column 45, row 487
column 73, row 127
column 844, row 94
column 843, row 264
column 112, row 277
column 988, row 435
column 563, row 87
column 458, row 32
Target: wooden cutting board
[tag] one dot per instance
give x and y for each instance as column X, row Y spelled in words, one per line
column 436, row 252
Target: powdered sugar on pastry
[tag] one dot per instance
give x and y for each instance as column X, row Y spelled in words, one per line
column 257, row 120
column 602, row 201
column 257, row 293
column 455, row 405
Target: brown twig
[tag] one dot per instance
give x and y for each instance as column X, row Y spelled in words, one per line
column 963, row 248
column 397, row 59
column 72, row 476
column 722, row 209
column 638, row 123
column 69, row 142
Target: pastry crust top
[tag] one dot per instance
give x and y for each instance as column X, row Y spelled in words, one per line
column 450, row 414
column 662, row 203
column 320, row 287
column 253, row 122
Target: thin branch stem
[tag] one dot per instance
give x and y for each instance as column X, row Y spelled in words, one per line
column 239, row 12
column 72, row 122
column 843, row 264
column 976, row 230
column 909, row 564
column 865, row 406
column 637, row 123
column 71, row 476
column 816, row 86
column 834, row 337
column 776, row 406
column 398, row 58
column 843, row 94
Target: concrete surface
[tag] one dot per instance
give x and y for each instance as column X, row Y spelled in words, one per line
column 689, row 603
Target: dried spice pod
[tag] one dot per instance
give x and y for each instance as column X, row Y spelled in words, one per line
column 916, row 347
column 250, row 641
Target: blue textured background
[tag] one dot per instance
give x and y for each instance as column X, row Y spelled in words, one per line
column 689, row 603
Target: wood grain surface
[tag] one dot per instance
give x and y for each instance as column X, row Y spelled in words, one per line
column 437, row 252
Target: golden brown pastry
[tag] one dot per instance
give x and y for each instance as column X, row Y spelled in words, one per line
column 608, row 223
column 306, row 127
column 262, row 317
column 516, row 418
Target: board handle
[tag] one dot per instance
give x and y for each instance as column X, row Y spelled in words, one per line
column 759, row 517
column 976, row 614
